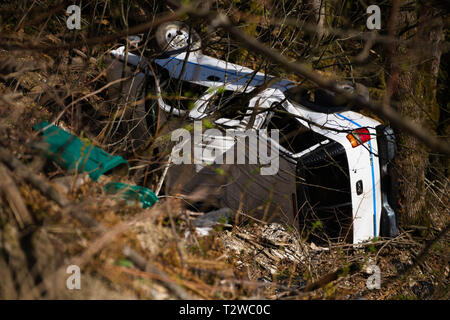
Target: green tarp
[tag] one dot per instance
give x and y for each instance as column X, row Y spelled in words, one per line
column 73, row 154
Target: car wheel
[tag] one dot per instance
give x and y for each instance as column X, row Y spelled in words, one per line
column 174, row 37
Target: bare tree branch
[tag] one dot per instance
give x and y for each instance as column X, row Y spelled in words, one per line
column 434, row 143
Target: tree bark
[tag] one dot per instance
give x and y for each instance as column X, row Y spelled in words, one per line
column 413, row 71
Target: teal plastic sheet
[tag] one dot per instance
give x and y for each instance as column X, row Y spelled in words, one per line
column 71, row 153
column 132, row 193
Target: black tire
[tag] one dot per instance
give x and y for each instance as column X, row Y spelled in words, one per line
column 175, row 37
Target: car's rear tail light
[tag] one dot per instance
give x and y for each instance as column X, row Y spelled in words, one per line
column 358, row 136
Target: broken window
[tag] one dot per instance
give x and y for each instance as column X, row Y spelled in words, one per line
column 323, row 193
column 323, row 185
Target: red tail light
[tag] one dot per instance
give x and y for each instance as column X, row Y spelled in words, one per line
column 358, row 136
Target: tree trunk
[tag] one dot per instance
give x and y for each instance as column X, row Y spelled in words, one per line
column 413, row 72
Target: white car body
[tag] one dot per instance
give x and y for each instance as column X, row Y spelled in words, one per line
column 363, row 161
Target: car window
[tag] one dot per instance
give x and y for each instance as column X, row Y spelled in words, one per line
column 324, row 194
column 293, row 136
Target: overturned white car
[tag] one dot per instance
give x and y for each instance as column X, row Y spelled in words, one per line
column 334, row 164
